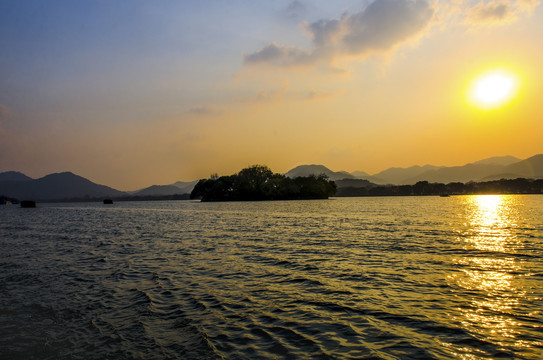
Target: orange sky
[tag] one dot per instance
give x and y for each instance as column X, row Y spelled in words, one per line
column 131, row 96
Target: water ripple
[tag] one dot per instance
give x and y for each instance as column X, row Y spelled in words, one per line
column 368, row 278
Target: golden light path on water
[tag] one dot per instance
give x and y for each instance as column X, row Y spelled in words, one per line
column 490, row 240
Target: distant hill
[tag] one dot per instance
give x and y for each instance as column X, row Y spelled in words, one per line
column 14, row 176
column 306, row 170
column 360, row 174
column 498, row 160
column 177, row 188
column 469, row 172
column 484, row 170
column 403, row 175
column 531, row 167
column 66, row 185
column 185, row 186
column 494, row 168
column 56, row 187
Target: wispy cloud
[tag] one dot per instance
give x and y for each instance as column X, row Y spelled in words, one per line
column 266, row 96
column 208, row 109
column 313, row 95
column 280, row 55
column 381, row 26
column 494, row 12
column 295, row 10
column 283, row 94
column 491, row 11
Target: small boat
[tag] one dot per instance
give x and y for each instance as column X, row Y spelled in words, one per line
column 28, row 204
column 108, row 202
column 444, row 195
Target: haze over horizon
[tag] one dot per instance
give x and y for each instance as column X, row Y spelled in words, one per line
column 134, row 93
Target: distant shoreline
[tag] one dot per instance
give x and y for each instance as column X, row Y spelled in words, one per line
column 120, row 199
column 519, row 186
column 425, row 188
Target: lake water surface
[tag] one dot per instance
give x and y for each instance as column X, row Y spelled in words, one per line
column 361, row 278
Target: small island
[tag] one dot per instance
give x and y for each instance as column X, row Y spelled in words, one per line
column 258, row 183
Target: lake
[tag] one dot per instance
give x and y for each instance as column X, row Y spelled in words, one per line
column 345, row 278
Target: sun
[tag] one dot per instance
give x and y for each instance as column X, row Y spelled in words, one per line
column 493, row 89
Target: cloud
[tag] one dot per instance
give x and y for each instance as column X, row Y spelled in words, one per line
column 386, row 23
column 208, row 109
column 312, row 95
column 295, row 10
column 495, row 12
column 266, row 96
column 528, row 5
column 283, row 94
column 491, row 11
column 279, row 55
column 381, row 26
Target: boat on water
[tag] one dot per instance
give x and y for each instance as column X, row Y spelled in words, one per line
column 108, row 201
column 28, row 204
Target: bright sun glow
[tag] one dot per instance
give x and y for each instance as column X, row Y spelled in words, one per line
column 493, row 89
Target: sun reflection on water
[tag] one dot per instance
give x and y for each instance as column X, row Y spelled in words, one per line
column 490, row 219
column 490, row 274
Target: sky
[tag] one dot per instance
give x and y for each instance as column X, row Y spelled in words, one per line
column 131, row 93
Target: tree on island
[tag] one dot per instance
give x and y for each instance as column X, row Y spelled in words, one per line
column 258, row 182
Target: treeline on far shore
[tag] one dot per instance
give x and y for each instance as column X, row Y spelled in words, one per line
column 422, row 188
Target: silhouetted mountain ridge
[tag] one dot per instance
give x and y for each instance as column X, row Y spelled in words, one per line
column 177, row 188
column 499, row 160
column 306, row 170
column 14, row 176
column 531, row 167
column 399, row 175
column 494, row 168
column 469, row 172
column 483, row 170
column 56, row 186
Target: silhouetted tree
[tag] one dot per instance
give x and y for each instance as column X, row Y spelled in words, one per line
column 420, row 187
column 260, row 183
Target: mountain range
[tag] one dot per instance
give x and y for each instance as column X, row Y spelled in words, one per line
column 66, row 185
column 52, row 187
column 495, row 168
